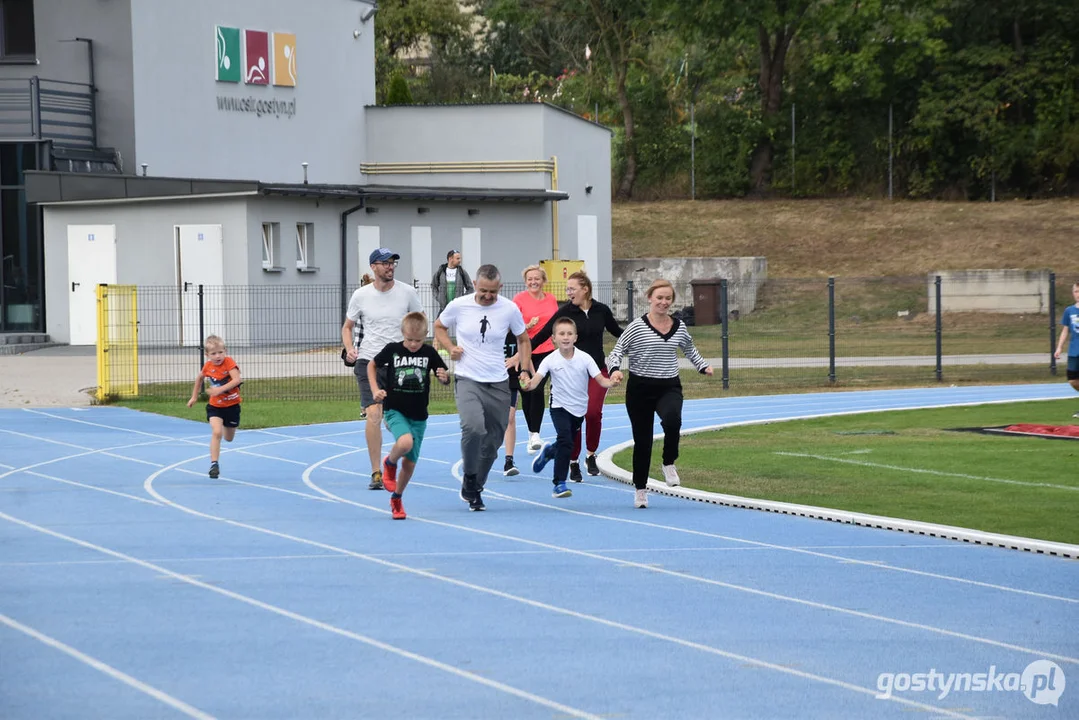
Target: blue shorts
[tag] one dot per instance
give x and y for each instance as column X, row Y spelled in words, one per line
column 400, row 425
column 1073, row 367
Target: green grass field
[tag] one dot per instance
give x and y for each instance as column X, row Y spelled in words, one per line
column 909, row 464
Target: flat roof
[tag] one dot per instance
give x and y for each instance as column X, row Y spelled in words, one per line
column 522, row 104
column 53, row 188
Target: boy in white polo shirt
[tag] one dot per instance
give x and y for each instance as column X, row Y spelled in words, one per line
column 570, row 369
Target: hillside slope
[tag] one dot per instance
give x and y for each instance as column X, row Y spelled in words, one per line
column 807, row 238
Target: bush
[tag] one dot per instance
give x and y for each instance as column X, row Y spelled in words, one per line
column 399, row 92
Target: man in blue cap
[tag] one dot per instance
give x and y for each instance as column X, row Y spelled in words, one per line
column 380, row 306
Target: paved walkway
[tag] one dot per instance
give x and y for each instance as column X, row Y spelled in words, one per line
column 65, row 375
column 57, row 376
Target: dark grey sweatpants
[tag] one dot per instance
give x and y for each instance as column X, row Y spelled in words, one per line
column 484, row 416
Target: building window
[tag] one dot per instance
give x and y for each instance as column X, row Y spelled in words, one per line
column 271, row 246
column 17, row 30
column 305, row 247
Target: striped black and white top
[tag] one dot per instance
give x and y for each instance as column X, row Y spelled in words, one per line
column 653, row 354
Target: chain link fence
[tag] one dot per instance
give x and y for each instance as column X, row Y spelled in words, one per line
column 768, row 336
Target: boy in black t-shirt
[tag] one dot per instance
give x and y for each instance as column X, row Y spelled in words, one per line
column 401, row 374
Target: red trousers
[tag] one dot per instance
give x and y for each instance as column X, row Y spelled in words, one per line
column 593, row 418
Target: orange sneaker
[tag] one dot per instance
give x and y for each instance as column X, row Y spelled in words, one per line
column 389, row 475
column 397, row 509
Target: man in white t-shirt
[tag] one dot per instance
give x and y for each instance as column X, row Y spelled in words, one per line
column 380, row 306
column 480, row 321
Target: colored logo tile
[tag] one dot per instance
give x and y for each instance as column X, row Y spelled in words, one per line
column 228, row 54
column 257, row 57
column 284, row 59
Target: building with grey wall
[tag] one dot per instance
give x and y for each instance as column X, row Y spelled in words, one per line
column 499, row 146
column 275, row 102
column 288, row 254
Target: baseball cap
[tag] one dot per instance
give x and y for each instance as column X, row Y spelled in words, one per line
column 383, row 255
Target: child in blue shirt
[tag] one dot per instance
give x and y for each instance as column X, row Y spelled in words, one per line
column 1070, row 322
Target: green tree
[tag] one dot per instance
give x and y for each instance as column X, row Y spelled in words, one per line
column 624, row 29
column 398, row 93
column 421, row 28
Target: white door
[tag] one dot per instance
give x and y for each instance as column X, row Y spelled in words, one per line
column 200, row 261
column 588, row 244
column 422, row 270
column 91, row 261
column 421, row 254
column 470, row 251
column 368, row 238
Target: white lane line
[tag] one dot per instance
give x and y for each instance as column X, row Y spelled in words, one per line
column 105, row 451
column 454, row 554
column 109, row 670
column 148, row 485
column 95, row 424
column 307, row 496
column 378, row 644
column 102, row 451
column 924, row 471
column 757, row 544
column 243, row 558
column 802, row 551
column 92, row 487
column 695, row 578
column 864, row 563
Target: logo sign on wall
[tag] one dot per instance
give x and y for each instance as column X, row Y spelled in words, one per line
column 264, row 57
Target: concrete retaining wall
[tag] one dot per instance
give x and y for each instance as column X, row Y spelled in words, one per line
column 998, row 291
column 745, row 276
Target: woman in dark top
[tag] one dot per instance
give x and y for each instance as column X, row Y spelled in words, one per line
column 593, row 318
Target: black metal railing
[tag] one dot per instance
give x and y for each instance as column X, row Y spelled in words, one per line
column 49, row 110
column 767, row 336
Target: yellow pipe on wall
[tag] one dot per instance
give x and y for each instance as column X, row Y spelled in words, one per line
column 476, row 166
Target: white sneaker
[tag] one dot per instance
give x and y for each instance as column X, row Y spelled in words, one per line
column 670, row 476
column 640, row 498
column 534, row 442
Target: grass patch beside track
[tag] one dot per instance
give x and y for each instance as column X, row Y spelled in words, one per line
column 906, row 464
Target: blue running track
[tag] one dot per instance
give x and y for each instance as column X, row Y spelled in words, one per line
column 133, row 586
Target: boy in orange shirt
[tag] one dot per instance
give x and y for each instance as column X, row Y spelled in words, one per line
column 223, row 408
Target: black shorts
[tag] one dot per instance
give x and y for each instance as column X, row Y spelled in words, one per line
column 230, row 415
column 515, row 388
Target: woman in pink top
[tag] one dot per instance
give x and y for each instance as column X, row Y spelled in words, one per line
column 537, row 307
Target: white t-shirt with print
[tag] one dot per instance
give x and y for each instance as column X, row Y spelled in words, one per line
column 569, row 380
column 481, row 333
column 451, row 274
column 381, row 313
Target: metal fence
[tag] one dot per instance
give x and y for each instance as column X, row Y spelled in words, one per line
column 55, row 109
column 768, row 336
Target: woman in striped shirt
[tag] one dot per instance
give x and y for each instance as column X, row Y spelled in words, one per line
column 654, row 388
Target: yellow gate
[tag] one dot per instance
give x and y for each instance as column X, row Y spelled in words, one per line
column 558, row 271
column 117, row 341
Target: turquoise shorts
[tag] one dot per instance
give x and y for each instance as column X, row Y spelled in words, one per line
column 400, row 425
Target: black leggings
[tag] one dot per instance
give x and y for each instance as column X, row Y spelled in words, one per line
column 644, row 399
column 533, row 401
